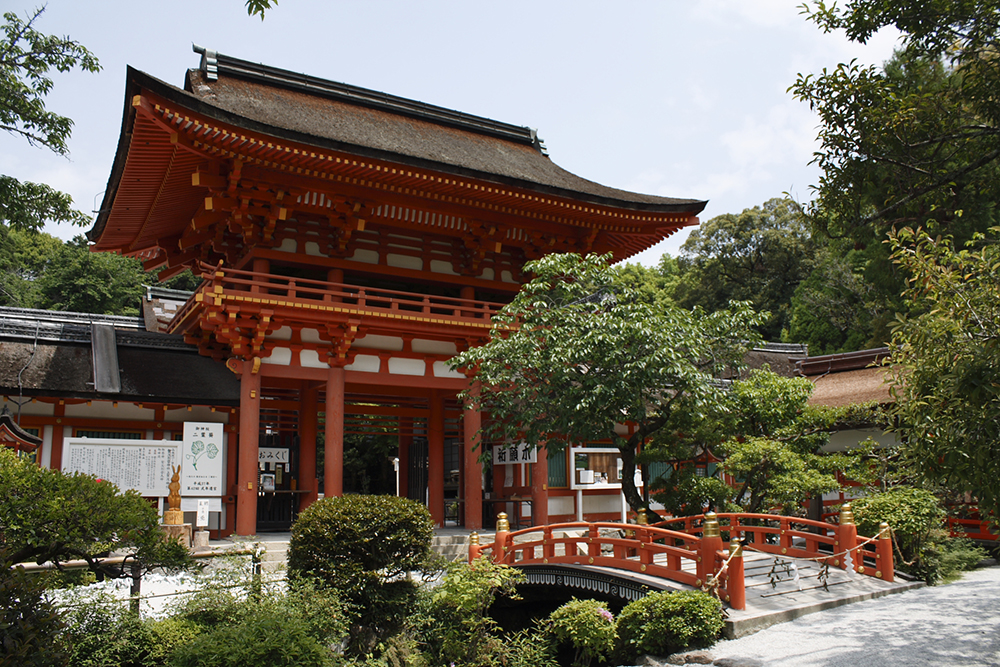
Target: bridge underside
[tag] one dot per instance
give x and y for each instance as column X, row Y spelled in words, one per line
column 616, row 587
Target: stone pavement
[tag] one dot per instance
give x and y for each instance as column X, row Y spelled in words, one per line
column 951, row 624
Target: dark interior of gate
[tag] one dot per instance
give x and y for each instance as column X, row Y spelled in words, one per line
column 385, row 452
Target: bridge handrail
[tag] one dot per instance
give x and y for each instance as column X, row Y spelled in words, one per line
column 641, row 549
column 870, row 556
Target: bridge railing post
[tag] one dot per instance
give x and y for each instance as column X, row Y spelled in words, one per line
column 474, row 548
column 885, row 567
column 500, row 541
column 847, row 538
column 593, row 543
column 709, row 547
column 735, row 586
column 548, row 546
column 785, row 537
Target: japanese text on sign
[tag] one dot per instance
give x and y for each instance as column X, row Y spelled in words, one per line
column 520, row 452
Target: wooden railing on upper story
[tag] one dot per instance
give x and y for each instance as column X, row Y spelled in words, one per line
column 249, row 287
column 704, row 551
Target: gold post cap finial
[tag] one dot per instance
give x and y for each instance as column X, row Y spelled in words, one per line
column 641, row 518
column 710, row 527
column 735, row 547
column 883, row 530
column 474, row 538
column 846, row 515
column 502, row 524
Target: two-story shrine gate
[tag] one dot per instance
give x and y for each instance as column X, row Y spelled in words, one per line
column 351, row 242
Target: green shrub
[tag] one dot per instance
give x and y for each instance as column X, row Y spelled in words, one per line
column 30, row 626
column 662, row 623
column 458, row 628
column 363, row 547
column 102, row 631
column 383, row 534
column 586, row 626
column 170, row 634
column 958, row 555
column 922, row 545
column 266, row 637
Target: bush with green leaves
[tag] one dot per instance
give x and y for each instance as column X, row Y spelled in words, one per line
column 46, row 515
column 30, row 626
column 458, row 626
column 587, row 627
column 269, row 636
column 663, row 622
column 101, row 630
column 922, row 545
column 363, row 547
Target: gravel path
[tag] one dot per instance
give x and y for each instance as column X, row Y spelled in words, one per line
column 955, row 624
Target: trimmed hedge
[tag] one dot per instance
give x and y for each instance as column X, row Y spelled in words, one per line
column 338, row 537
column 663, row 623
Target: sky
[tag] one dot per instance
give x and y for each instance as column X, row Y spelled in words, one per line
column 680, row 98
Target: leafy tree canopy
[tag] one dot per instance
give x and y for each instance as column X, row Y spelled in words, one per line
column 48, row 516
column 759, row 255
column 766, row 436
column 577, row 353
column 26, row 59
column 78, row 280
column 915, row 141
column 946, row 363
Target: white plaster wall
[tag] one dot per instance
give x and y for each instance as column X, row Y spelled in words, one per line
column 106, row 410
column 561, row 505
column 376, row 342
column 843, row 440
column 29, row 407
column 602, row 504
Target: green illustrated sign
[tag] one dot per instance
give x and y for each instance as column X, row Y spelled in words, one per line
column 199, row 449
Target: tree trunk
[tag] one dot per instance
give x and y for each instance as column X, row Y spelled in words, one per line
column 632, row 496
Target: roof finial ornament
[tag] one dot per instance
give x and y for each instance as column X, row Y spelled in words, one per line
column 209, row 62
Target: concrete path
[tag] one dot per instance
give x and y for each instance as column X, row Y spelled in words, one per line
column 953, row 624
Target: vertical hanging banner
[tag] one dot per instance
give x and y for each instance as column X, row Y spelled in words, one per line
column 201, row 459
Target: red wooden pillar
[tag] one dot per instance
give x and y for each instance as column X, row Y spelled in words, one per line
column 55, row 458
column 334, row 433
column 246, row 490
column 232, row 471
column 308, row 404
column 435, row 459
column 405, row 440
column 540, row 488
column 473, row 469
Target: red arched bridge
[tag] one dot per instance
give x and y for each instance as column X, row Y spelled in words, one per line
column 704, row 551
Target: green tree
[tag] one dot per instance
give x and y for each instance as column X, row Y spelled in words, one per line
column 766, row 436
column 48, row 516
column 835, row 309
column 26, row 59
column 775, row 442
column 23, row 259
column 946, row 363
column 916, row 141
column 759, row 255
column 576, row 353
column 78, row 280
